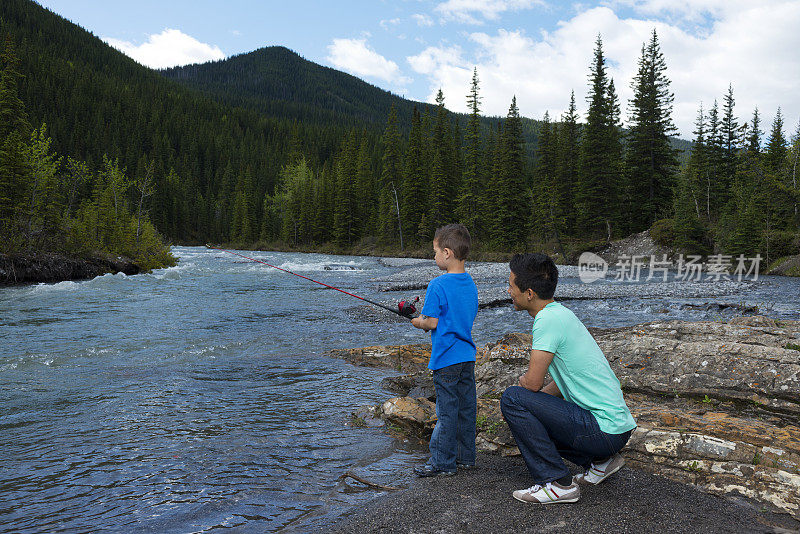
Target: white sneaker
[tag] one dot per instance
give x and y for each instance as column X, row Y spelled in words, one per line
column 599, row 472
column 551, row 492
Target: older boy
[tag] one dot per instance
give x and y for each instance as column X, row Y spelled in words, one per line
column 581, row 415
column 451, row 304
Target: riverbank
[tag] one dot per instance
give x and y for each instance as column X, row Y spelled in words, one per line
column 43, row 267
column 479, row 501
column 716, row 405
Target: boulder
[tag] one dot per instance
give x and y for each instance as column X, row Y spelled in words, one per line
column 414, row 414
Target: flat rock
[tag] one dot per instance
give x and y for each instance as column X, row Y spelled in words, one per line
column 404, row 358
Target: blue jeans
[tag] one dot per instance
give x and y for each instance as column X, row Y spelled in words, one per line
column 548, row 428
column 453, row 439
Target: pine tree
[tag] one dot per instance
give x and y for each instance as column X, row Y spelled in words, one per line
column 729, row 132
column 345, row 197
column 441, row 192
column 792, row 179
column 649, row 159
column 545, row 220
column 596, row 191
column 568, row 151
column 716, row 194
column 415, row 183
column 365, row 207
column 776, row 145
column 512, row 210
column 471, row 203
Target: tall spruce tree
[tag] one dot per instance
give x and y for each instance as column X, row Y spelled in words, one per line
column 650, row 160
column 776, row 145
column 471, row 202
column 779, row 201
column 414, row 205
column 792, row 178
column 729, row 139
column 568, row 150
column 596, row 191
column 546, row 220
column 344, row 208
column 511, row 208
column 442, row 187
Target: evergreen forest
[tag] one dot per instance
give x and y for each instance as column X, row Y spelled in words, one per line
column 268, row 150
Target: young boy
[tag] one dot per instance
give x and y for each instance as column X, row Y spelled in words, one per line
column 581, row 415
column 451, row 304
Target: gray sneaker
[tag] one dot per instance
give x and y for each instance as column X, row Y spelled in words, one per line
column 599, row 472
column 549, row 493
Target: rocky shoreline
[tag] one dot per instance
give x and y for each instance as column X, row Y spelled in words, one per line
column 40, row 267
column 717, row 404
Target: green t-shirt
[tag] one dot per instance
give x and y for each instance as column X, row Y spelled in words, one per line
column 580, row 369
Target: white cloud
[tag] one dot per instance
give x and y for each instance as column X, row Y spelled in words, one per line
column 169, row 48
column 422, row 20
column 469, row 11
column 753, row 47
column 356, row 57
column 387, row 23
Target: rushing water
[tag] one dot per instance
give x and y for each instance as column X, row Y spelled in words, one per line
column 199, row 397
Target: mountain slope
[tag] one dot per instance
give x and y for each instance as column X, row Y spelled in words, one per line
column 280, row 83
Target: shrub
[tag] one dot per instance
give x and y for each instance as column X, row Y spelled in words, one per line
column 663, row 233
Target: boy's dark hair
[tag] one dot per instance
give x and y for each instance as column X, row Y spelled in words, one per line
column 535, row 271
column 455, row 237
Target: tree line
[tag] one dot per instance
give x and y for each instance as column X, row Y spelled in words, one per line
column 56, row 204
column 587, row 183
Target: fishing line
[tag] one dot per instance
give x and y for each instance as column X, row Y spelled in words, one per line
column 404, row 308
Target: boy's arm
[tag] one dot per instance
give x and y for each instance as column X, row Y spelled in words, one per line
column 533, row 379
column 423, row 322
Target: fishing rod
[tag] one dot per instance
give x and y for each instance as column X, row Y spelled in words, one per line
column 405, row 308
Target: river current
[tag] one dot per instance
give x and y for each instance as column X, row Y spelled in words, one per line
column 199, row 397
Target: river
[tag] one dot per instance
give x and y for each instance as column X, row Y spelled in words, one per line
column 199, row 397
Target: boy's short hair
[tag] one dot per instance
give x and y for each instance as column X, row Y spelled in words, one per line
column 535, row 271
column 455, row 237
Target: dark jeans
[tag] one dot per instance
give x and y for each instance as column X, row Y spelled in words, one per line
column 548, row 428
column 453, row 438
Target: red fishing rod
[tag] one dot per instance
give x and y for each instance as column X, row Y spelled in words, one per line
column 404, row 308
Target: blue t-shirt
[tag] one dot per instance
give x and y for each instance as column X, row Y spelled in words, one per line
column 453, row 299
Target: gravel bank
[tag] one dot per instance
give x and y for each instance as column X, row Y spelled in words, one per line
column 480, row 501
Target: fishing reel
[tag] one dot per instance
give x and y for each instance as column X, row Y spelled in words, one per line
column 406, row 308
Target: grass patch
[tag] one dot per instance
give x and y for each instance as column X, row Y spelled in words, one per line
column 358, row 422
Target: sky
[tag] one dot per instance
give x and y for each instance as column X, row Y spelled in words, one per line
column 536, row 50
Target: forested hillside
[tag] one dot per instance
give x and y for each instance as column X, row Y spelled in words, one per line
column 277, row 82
column 97, row 102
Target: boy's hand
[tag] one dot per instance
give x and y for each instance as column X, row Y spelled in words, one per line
column 417, row 322
column 423, row 322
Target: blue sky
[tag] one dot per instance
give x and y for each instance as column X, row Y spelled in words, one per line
column 536, row 50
